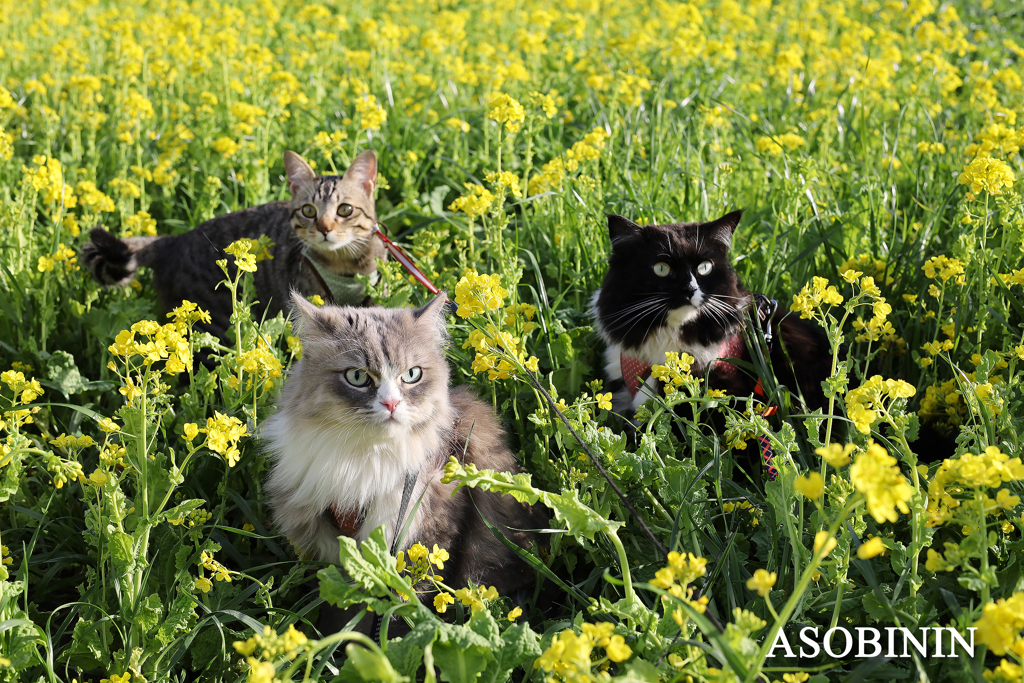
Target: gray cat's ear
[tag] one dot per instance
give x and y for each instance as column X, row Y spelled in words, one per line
column 620, row 228
column 298, row 171
column 363, row 170
column 307, row 317
column 433, row 314
column 433, row 308
column 721, row 230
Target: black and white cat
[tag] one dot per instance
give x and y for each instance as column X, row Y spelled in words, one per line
column 670, row 288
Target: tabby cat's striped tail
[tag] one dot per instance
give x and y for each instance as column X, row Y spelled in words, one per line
column 113, row 261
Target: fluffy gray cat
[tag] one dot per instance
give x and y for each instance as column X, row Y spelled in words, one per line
column 368, row 403
column 322, row 237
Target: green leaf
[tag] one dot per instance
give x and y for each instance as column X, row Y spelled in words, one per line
column 460, row 654
column 179, row 511
column 520, row 646
column 372, row 665
column 148, row 614
column 336, row 590
column 179, row 618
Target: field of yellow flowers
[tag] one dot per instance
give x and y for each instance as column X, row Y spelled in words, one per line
column 875, row 145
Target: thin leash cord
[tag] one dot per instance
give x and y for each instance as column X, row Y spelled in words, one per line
column 600, row 468
column 410, row 484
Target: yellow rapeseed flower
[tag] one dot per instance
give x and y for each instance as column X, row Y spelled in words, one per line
column 762, row 582
column 875, row 474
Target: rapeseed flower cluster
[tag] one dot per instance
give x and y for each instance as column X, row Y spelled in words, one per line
column 569, row 658
column 64, row 254
column 25, row 390
column 268, row 647
column 944, row 268
column 966, row 478
column 1000, row 626
column 988, row 174
column 675, row 577
column 507, row 110
column 675, row 373
column 162, row 343
column 222, row 435
column 813, row 296
column 873, row 399
column 552, row 172
column 876, row 474
column 421, row 561
column 475, row 202
column 260, row 365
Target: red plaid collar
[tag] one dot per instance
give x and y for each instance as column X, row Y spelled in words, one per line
column 636, row 371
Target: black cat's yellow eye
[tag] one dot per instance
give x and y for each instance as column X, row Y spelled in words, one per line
column 412, row 375
column 308, row 210
column 357, row 377
column 705, row 267
column 662, row 269
column 344, row 210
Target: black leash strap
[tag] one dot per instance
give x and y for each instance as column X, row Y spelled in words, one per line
column 410, row 484
column 766, row 309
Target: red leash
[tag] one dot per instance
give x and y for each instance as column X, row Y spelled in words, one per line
column 399, row 255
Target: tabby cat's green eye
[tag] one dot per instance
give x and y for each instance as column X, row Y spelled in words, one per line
column 357, row 377
column 344, row 210
column 662, row 269
column 309, row 211
column 412, row 375
column 705, row 267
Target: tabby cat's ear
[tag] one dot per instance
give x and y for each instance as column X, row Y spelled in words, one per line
column 620, row 228
column 308, row 318
column 721, row 230
column 364, row 171
column 298, row 171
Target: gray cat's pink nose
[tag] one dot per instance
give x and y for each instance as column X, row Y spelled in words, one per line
column 321, row 227
column 390, row 404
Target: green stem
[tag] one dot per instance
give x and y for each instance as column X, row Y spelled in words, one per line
column 624, row 565
column 796, row 597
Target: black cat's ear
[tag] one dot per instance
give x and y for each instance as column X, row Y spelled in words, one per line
column 298, row 171
column 721, row 230
column 363, row 171
column 620, row 228
column 309, row 318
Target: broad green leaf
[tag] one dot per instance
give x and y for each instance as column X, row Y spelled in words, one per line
column 372, row 665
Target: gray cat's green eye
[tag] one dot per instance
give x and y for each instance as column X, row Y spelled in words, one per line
column 309, row 211
column 662, row 269
column 344, row 210
column 705, row 267
column 412, row 375
column 357, row 377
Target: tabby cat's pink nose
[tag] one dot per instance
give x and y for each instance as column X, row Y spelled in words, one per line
column 391, row 404
column 323, row 228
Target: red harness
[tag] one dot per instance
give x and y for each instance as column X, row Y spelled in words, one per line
column 635, row 373
column 349, row 521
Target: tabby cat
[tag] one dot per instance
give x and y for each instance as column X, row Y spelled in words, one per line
column 322, row 237
column 671, row 288
column 368, row 404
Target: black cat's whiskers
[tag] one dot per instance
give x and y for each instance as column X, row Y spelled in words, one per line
column 637, row 309
column 655, row 312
